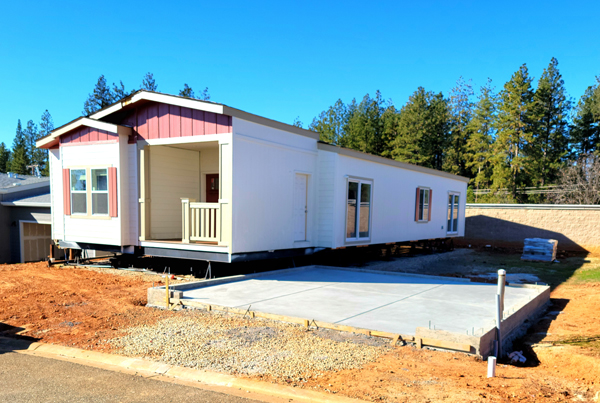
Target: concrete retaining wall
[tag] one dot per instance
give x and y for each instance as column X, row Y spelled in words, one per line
column 507, row 225
column 514, row 325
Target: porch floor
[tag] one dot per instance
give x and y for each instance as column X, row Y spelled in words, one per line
column 178, row 244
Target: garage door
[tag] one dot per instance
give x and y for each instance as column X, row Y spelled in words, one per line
column 36, row 239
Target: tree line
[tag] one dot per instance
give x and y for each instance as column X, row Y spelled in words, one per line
column 505, row 142
column 24, row 158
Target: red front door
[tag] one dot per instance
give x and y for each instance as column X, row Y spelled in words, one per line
column 212, row 188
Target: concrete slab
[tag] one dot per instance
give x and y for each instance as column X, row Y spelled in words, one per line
column 377, row 301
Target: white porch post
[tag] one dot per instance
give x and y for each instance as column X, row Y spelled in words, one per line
column 185, row 219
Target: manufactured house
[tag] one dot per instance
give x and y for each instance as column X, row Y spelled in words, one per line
column 169, row 176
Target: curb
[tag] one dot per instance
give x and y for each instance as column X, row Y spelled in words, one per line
column 151, row 368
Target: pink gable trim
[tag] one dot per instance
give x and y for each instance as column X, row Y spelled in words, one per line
column 87, row 135
column 156, row 121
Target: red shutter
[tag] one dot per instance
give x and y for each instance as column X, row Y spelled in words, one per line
column 417, row 205
column 67, row 191
column 430, row 203
column 112, row 192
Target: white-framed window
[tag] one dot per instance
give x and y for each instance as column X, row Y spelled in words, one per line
column 453, row 200
column 78, row 192
column 423, row 204
column 358, row 209
column 100, row 191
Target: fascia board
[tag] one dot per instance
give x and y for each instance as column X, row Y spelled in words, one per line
column 386, row 161
column 96, row 124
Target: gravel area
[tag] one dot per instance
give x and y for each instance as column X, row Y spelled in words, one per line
column 231, row 344
column 456, row 262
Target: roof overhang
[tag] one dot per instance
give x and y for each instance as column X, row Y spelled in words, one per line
column 20, row 188
column 52, row 138
column 200, row 105
column 386, row 161
column 26, row 204
column 94, row 120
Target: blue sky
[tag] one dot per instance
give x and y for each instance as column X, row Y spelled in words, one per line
column 282, row 59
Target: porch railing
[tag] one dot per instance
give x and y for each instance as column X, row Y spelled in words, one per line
column 200, row 221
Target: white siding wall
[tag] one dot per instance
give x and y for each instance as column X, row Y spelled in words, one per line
column 326, row 198
column 174, row 173
column 393, row 201
column 103, row 230
column 56, row 194
column 265, row 161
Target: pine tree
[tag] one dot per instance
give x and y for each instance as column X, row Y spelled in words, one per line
column 298, row 122
column 585, row 133
column 205, row 95
column 31, row 135
column 4, row 158
column 482, row 130
column 19, row 159
column 41, row 159
column 460, row 114
column 330, row 124
column 101, row 97
column 364, row 128
column 119, row 92
column 149, row 83
column 550, row 144
column 188, row 92
column 512, row 166
column 422, row 130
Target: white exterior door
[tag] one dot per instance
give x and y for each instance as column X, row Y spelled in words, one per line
column 300, row 206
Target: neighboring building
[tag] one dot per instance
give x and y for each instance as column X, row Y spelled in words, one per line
column 25, row 218
column 170, row 176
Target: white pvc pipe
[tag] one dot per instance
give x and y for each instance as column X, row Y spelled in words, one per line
column 491, row 367
column 498, row 323
column 501, row 283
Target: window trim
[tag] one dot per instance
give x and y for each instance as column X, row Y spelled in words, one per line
column 85, row 192
column 88, row 199
column 418, row 211
column 360, row 181
column 106, row 192
column 454, row 230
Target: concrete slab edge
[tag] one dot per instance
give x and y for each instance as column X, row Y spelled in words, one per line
column 85, row 357
column 395, row 273
column 229, row 279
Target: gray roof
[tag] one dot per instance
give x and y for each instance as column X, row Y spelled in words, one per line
column 42, row 200
column 9, row 183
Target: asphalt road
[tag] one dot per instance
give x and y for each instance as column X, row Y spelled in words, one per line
column 26, row 378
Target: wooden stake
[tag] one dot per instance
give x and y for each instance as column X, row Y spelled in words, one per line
column 167, row 290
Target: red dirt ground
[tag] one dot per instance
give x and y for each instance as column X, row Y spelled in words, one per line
column 82, row 308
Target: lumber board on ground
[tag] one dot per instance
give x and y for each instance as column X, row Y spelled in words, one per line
column 446, row 344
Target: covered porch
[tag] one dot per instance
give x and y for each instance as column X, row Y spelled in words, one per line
column 183, row 189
